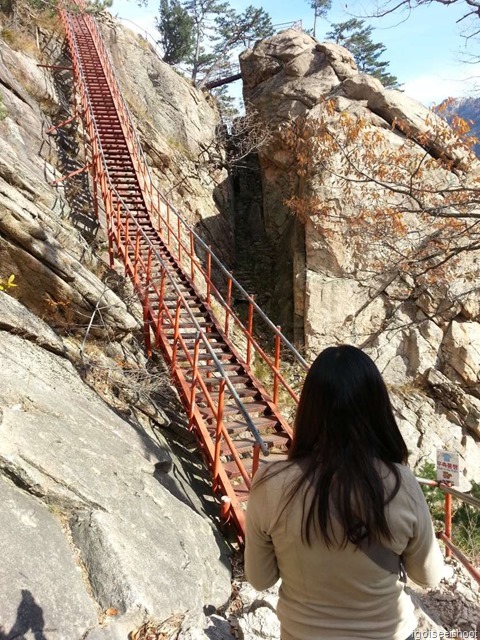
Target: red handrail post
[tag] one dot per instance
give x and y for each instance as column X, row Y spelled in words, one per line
column 109, row 230
column 276, row 365
column 228, row 304
column 192, row 253
column 250, row 329
column 448, row 522
column 118, row 226
column 225, row 506
column 146, row 324
column 159, row 215
column 256, row 459
column 179, row 232
column 168, row 225
column 148, row 275
column 218, row 433
column 176, row 331
column 136, row 258
column 161, row 304
column 125, row 249
column 95, row 188
column 191, row 412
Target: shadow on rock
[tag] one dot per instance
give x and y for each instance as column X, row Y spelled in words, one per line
column 29, row 618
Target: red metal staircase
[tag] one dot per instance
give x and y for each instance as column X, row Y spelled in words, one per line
column 211, row 351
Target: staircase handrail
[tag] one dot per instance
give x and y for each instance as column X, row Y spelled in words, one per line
column 150, row 190
column 221, row 69
column 249, row 423
column 141, row 157
column 293, row 24
column 446, row 535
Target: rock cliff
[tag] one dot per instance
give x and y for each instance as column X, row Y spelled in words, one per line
column 102, row 532
column 100, row 529
column 340, row 279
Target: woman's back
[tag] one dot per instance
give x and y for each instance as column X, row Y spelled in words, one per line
column 337, row 591
column 347, row 458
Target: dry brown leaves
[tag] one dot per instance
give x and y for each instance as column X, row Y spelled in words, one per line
column 166, row 630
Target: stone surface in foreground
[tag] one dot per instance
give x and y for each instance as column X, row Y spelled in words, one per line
column 41, row 588
column 145, row 552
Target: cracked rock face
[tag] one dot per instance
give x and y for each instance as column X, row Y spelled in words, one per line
column 95, row 523
column 77, row 466
column 328, row 288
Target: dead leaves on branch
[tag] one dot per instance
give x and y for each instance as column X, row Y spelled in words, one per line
column 406, row 196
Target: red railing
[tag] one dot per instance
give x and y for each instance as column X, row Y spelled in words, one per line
column 446, row 535
column 141, row 255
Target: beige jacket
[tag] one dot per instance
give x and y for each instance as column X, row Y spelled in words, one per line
column 328, row 594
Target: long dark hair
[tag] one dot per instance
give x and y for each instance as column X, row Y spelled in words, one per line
column 344, row 425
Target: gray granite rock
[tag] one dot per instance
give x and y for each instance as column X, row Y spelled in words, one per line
column 42, row 589
column 17, row 319
column 144, row 550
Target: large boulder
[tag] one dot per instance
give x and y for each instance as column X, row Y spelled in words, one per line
column 43, row 588
column 338, row 279
column 462, row 351
column 91, row 501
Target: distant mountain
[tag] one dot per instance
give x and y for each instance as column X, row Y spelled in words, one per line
column 469, row 110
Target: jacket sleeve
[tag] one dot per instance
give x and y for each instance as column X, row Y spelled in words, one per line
column 423, row 558
column 261, row 568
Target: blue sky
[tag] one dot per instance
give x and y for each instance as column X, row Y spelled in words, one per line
column 426, row 50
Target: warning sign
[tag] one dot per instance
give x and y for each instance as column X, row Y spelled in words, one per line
column 448, row 469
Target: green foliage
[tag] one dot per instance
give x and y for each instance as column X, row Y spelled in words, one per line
column 465, row 520
column 226, row 104
column 321, row 7
column 205, row 34
column 435, row 498
column 320, row 10
column 355, row 36
column 203, row 14
column 176, row 32
column 241, row 29
column 466, row 526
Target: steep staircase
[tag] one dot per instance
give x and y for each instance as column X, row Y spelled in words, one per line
column 212, row 352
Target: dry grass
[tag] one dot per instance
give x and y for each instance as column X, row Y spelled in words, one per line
column 166, row 630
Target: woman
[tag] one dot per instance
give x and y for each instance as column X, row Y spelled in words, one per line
column 345, row 481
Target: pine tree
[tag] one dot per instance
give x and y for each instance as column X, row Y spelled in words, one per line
column 205, row 34
column 203, row 14
column 320, row 10
column 241, row 29
column 356, row 36
column 176, row 31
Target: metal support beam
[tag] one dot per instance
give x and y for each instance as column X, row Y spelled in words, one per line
column 70, row 175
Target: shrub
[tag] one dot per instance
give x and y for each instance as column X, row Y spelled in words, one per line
column 466, row 526
column 435, row 497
